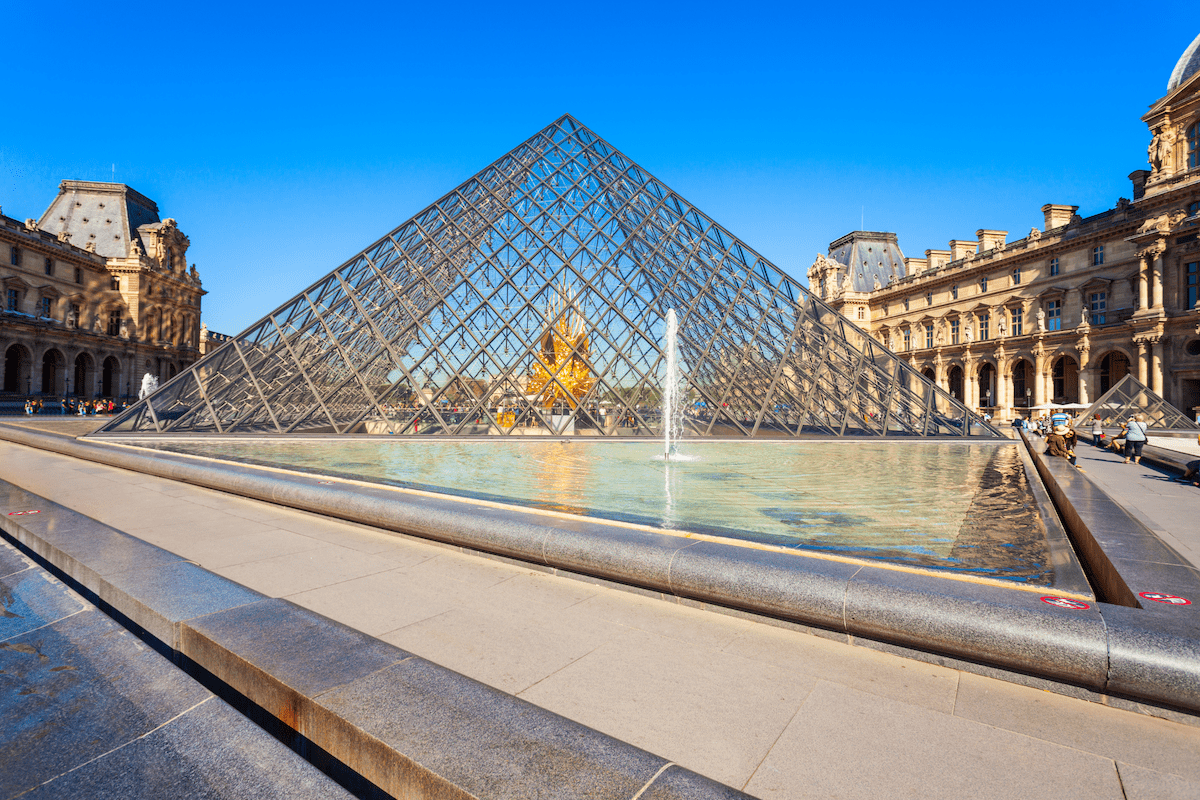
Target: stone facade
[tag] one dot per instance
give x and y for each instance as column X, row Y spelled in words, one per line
column 97, row 293
column 1063, row 313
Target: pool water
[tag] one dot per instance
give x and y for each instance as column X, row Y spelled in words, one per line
column 965, row 508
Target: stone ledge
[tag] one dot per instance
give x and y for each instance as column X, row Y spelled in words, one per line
column 996, row 626
column 1153, row 648
column 410, row 727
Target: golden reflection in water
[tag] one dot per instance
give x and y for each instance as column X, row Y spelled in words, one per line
column 564, row 348
column 560, row 473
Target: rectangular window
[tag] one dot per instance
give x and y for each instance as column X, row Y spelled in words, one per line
column 929, row 298
column 906, row 304
column 1053, row 267
column 1018, row 321
column 928, row 336
column 114, row 323
column 49, row 265
column 14, row 256
column 78, row 275
column 1054, row 315
column 1193, row 145
column 45, row 306
column 953, row 331
column 1098, row 307
column 116, row 283
column 982, row 285
column 1016, row 275
column 885, row 309
column 13, row 299
column 1193, row 283
column 1097, row 255
column 954, row 291
column 985, row 324
column 907, row 339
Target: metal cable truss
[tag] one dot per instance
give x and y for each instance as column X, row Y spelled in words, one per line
column 531, row 300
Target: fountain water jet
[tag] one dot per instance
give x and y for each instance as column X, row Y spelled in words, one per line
column 671, row 405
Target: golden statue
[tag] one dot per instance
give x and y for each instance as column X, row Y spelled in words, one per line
column 565, row 329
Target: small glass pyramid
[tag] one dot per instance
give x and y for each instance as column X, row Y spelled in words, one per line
column 531, row 300
column 1131, row 396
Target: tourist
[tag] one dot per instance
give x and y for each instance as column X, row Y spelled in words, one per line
column 29, row 408
column 1097, row 432
column 1192, row 473
column 1135, row 438
column 1061, row 443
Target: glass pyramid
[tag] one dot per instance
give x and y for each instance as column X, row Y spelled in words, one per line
column 1131, row 396
column 531, row 300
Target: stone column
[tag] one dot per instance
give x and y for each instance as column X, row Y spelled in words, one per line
column 1143, row 362
column 1085, row 380
column 1156, row 286
column 970, row 384
column 1156, row 370
column 1143, row 280
column 1039, row 380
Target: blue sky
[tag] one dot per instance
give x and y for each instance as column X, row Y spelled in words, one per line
column 284, row 139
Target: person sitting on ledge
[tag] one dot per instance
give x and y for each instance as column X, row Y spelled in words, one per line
column 1061, row 443
column 1192, row 475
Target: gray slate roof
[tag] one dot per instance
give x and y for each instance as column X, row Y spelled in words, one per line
column 869, row 255
column 107, row 213
column 1187, row 66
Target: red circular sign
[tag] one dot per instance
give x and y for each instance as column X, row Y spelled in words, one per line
column 1065, row 602
column 1169, row 599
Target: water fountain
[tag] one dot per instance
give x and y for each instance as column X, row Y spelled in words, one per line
column 671, row 406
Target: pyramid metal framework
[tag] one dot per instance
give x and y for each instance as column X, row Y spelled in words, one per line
column 1131, row 396
column 531, row 300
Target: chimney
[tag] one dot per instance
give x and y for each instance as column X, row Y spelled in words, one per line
column 937, row 258
column 915, row 266
column 991, row 240
column 1138, row 177
column 961, row 248
column 1057, row 216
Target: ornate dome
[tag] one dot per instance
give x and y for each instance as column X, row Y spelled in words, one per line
column 1189, row 65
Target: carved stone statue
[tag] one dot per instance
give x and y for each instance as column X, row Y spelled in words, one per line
column 149, row 385
column 125, row 329
column 1084, row 317
column 1154, row 153
column 968, row 333
column 31, row 224
column 1041, row 320
column 72, row 319
column 90, row 247
column 1034, row 233
column 64, row 236
column 135, row 249
column 941, row 335
column 1001, row 328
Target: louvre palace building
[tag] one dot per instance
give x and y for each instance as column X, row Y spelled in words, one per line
column 1063, row 313
column 96, row 294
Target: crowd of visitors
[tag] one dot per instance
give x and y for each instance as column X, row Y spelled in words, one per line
column 82, row 408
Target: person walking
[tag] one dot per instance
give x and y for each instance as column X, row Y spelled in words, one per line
column 1097, row 432
column 1135, row 438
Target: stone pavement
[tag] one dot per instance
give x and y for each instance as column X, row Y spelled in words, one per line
column 88, row 710
column 766, row 708
column 1170, row 509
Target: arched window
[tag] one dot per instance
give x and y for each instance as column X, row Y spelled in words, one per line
column 1193, row 143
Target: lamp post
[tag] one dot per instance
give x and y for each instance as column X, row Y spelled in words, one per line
column 1028, row 392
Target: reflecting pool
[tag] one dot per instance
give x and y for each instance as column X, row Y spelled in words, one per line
column 960, row 507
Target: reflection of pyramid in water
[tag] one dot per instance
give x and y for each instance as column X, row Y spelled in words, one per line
column 1131, row 396
column 531, row 300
